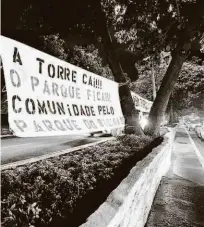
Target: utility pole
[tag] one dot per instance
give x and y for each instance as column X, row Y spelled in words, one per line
column 171, row 120
column 153, row 82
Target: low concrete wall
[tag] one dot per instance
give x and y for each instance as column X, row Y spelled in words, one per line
column 129, row 204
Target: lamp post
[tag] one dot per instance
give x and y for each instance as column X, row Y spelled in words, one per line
column 153, row 82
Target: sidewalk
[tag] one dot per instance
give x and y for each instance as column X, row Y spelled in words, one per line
column 179, row 201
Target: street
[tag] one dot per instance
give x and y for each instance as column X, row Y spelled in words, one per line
column 16, row 149
column 199, row 144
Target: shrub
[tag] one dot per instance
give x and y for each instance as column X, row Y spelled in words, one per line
column 35, row 194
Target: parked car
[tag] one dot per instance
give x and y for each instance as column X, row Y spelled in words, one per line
column 93, row 133
column 200, row 132
column 198, row 129
column 193, row 124
column 187, row 125
column 110, row 132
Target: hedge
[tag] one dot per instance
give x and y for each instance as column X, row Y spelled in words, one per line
column 54, row 191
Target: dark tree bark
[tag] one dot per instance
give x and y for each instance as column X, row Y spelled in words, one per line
column 159, row 106
column 131, row 116
column 132, row 125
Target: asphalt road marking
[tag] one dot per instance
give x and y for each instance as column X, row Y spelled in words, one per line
column 200, row 157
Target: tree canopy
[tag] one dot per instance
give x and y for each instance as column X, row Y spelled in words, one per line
column 189, row 89
column 121, row 32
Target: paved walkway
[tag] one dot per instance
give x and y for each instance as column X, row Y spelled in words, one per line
column 179, row 201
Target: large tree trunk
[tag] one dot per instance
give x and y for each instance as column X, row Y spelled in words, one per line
column 159, row 106
column 132, row 125
column 131, row 116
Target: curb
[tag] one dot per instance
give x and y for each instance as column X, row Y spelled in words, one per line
column 7, row 136
column 129, row 204
column 54, row 154
column 200, row 157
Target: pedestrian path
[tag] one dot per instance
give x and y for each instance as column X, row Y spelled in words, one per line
column 179, row 201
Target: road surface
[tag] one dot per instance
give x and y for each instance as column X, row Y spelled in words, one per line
column 16, row 149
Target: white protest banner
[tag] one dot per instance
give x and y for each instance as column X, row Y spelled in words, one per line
column 141, row 104
column 47, row 96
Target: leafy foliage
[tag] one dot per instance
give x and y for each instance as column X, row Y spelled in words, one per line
column 157, row 25
column 84, row 57
column 36, row 194
column 157, row 65
column 189, row 90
